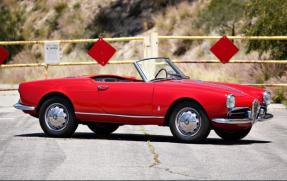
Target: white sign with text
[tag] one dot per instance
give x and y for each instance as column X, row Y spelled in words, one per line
column 52, row 52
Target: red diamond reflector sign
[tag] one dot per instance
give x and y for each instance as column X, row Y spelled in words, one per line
column 224, row 49
column 3, row 54
column 102, row 52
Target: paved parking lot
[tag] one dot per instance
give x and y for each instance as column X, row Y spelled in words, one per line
column 137, row 152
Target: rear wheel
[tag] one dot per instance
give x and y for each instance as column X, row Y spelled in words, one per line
column 57, row 117
column 232, row 135
column 103, row 128
column 189, row 123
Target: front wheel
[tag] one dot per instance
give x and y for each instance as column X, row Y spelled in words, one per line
column 103, row 128
column 57, row 118
column 189, row 123
column 232, row 135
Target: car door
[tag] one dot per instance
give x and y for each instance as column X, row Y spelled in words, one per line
column 126, row 98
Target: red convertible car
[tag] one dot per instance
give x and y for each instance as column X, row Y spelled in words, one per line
column 162, row 96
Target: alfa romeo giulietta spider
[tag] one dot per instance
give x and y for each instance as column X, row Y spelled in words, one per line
column 162, row 95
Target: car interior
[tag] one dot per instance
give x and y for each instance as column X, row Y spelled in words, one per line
column 110, row 78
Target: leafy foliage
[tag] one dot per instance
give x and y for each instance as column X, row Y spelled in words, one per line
column 262, row 20
column 221, row 15
column 260, row 17
column 267, row 18
column 11, row 26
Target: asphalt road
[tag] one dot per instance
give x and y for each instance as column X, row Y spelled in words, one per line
column 137, row 152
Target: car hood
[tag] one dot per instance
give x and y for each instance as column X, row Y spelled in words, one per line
column 228, row 88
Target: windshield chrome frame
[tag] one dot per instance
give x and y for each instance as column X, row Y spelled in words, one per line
column 142, row 74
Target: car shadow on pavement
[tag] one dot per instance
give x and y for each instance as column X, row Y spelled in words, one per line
column 144, row 138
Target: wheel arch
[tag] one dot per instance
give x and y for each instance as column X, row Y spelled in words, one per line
column 50, row 95
column 178, row 101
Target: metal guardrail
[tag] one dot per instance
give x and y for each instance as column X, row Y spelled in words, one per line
column 125, row 39
column 131, row 61
column 218, row 37
column 121, row 39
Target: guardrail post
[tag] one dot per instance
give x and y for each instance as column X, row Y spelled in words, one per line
column 150, row 51
column 46, row 66
column 151, row 45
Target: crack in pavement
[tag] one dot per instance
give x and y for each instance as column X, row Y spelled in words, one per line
column 155, row 155
column 151, row 148
column 172, row 172
column 156, row 160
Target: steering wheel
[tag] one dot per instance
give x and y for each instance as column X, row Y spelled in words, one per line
column 160, row 70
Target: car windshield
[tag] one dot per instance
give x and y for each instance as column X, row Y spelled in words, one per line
column 156, row 69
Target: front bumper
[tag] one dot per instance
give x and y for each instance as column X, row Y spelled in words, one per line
column 245, row 115
column 242, row 121
column 24, row 107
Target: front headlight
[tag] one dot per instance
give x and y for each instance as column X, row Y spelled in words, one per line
column 230, row 101
column 266, row 97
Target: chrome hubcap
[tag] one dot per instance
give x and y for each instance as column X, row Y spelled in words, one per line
column 188, row 121
column 56, row 117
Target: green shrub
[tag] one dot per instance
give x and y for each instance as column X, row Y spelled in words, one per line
column 279, row 96
column 60, row 7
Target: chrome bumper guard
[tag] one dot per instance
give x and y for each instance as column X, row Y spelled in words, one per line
column 242, row 121
column 24, row 107
column 256, row 113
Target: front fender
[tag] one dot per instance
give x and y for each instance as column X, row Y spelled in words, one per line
column 214, row 103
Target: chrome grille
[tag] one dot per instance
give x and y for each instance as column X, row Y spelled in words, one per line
column 238, row 113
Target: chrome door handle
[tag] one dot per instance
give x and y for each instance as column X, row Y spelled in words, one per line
column 103, row 87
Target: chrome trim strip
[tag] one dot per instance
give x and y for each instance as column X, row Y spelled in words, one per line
column 24, row 107
column 232, row 121
column 238, row 108
column 121, row 115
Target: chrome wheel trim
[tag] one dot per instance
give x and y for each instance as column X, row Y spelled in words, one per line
column 56, row 117
column 188, row 121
